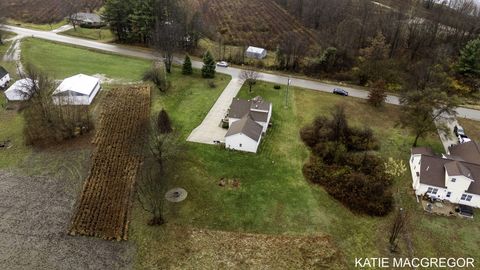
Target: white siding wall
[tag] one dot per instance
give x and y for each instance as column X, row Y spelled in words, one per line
column 5, row 80
column 458, row 187
column 241, row 142
column 415, row 170
column 475, row 202
column 95, row 92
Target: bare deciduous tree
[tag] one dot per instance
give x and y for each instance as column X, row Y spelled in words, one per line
column 397, row 227
column 250, row 76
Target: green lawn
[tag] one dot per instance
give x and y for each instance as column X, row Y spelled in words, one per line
column 102, row 34
column 274, row 198
column 43, row 27
column 472, row 128
column 62, row 61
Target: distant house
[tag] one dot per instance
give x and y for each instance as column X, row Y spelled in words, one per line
column 256, row 53
column 454, row 177
column 4, row 78
column 77, row 90
column 248, row 120
column 87, row 20
column 20, row 90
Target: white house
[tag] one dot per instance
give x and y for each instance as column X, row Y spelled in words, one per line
column 454, row 177
column 4, row 77
column 19, row 91
column 248, row 120
column 77, row 90
column 255, row 52
column 244, row 135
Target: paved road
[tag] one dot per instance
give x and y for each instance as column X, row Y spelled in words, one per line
column 234, row 72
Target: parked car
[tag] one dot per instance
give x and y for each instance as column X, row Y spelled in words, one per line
column 458, row 130
column 222, row 64
column 462, row 138
column 340, row 91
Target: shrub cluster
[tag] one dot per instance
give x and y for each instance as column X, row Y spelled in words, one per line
column 344, row 163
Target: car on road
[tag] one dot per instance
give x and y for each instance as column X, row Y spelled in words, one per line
column 458, row 130
column 222, row 64
column 462, row 138
column 340, row 91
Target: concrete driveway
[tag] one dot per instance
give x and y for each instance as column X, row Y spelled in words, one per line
column 448, row 139
column 210, row 129
column 34, row 218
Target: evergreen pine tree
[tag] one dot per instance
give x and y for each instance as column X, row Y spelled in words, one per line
column 163, row 122
column 208, row 69
column 187, row 66
column 469, row 62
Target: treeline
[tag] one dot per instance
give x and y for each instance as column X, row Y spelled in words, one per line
column 138, row 21
column 407, row 32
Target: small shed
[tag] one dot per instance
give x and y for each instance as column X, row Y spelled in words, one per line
column 20, row 90
column 4, row 77
column 77, row 90
column 256, row 52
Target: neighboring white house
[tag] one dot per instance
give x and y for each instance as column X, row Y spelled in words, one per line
column 255, row 52
column 244, row 135
column 454, row 177
column 248, row 120
column 77, row 90
column 19, row 91
column 4, row 77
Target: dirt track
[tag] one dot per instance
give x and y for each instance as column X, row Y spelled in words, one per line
column 34, row 218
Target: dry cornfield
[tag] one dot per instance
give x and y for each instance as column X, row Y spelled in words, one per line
column 105, row 202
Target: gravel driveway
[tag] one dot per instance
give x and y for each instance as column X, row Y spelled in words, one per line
column 34, row 217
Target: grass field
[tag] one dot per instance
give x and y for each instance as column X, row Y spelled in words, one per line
column 62, row 61
column 43, row 27
column 274, row 198
column 472, row 128
column 102, row 34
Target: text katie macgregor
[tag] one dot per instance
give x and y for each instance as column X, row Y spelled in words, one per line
column 430, row 263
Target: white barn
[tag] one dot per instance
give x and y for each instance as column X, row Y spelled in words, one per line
column 454, row 177
column 256, row 52
column 19, row 91
column 244, row 135
column 77, row 90
column 4, row 77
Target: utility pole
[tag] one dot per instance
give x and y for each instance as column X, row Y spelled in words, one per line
column 286, row 94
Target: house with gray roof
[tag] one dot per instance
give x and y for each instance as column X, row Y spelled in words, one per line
column 248, row 120
column 87, row 20
column 454, row 177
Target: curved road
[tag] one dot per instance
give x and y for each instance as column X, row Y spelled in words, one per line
column 234, row 72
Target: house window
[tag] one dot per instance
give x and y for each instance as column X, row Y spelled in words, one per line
column 469, row 198
column 449, row 194
column 453, row 180
column 418, row 174
column 466, row 197
column 432, row 190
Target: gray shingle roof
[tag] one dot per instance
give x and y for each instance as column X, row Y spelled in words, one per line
column 241, row 107
column 246, row 126
column 470, row 151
